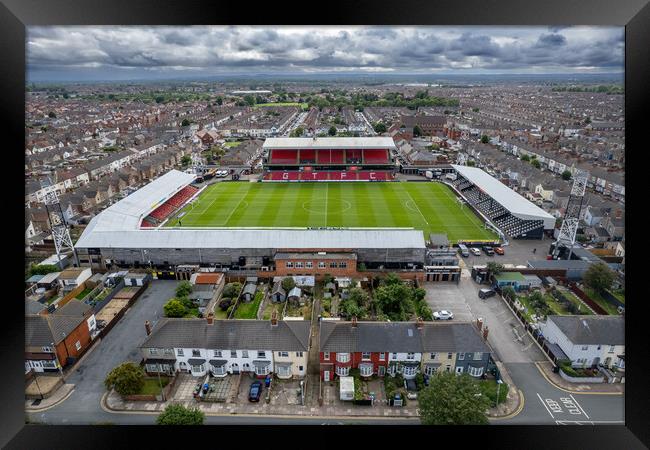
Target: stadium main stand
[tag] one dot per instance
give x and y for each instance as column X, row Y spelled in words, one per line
column 340, row 175
column 283, row 157
column 375, row 156
column 175, row 202
column 512, row 213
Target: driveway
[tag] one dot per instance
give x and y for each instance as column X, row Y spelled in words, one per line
column 447, row 296
column 120, row 344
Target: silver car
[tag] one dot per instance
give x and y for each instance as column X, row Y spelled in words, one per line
column 443, row 315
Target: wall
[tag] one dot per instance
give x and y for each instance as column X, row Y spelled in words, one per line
column 67, row 347
column 582, row 379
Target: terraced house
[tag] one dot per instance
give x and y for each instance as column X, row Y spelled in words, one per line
column 407, row 348
column 224, row 347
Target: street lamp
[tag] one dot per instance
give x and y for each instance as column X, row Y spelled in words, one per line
column 499, row 383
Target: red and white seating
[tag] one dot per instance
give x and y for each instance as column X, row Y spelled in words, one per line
column 375, row 156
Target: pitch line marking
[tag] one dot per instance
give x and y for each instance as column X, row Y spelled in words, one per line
column 415, row 204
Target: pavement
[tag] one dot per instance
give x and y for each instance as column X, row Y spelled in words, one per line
column 57, row 397
column 546, row 368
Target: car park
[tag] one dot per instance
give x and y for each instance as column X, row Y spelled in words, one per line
column 486, row 292
column 443, row 315
column 499, row 251
column 255, row 391
column 475, row 251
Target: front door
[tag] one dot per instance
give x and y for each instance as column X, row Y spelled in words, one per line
column 326, row 375
column 235, row 368
column 381, row 371
column 246, row 368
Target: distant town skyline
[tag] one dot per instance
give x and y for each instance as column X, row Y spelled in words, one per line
column 87, row 53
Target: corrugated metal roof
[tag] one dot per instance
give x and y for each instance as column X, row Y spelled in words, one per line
column 330, row 142
column 509, row 199
column 251, row 238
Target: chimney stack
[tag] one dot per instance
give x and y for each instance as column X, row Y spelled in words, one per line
column 354, row 321
column 274, row 317
column 147, row 327
column 419, row 323
column 485, row 333
column 210, row 318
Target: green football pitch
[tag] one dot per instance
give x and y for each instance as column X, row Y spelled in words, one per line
column 430, row 207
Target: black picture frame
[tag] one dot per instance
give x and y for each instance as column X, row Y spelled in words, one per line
column 633, row 14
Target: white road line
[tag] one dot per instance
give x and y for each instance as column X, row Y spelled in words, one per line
column 578, row 405
column 545, row 407
column 327, row 190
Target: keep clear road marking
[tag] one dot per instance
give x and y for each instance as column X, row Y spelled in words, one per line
column 546, row 407
column 579, row 406
column 570, row 404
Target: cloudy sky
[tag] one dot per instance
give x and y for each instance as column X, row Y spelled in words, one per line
column 114, row 53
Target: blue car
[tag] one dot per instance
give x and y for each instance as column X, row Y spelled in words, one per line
column 255, row 392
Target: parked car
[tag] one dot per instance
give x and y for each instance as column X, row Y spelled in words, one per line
column 475, row 251
column 486, row 292
column 443, row 315
column 488, row 250
column 411, row 389
column 255, row 391
column 499, row 251
column 463, row 250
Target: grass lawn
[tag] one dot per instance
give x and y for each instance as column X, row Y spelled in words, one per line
column 528, row 313
column 219, row 314
column 83, row 293
column 555, row 306
column 249, row 310
column 302, row 105
column 430, row 207
column 620, row 296
column 152, row 386
column 584, row 310
column 268, row 310
column 232, row 144
column 297, row 311
column 489, row 389
column 595, row 296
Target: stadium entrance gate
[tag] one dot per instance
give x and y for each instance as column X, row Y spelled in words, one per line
column 442, row 273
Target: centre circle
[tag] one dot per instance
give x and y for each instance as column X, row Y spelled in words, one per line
column 322, row 206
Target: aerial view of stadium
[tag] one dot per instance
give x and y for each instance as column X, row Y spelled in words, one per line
column 431, row 207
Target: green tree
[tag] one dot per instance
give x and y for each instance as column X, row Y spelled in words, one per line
column 183, row 289
column 174, row 308
column 379, row 127
column 475, row 109
column 160, row 99
column 232, row 290
column 288, row 283
column 509, row 292
column 185, row 123
column 127, row 379
column 42, row 269
column 566, row 175
column 471, row 163
column 494, row 268
column 525, row 158
column 536, row 164
column 332, row 131
column 417, row 131
column 219, row 101
column 177, row 414
column 249, row 99
column 451, row 399
column 298, row 132
column 485, row 139
column 51, row 115
column 186, row 160
column 599, row 277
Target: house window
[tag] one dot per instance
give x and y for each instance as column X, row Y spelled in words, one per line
column 153, row 368
column 432, row 355
column 448, row 368
column 261, row 354
column 309, row 265
column 321, row 265
column 49, row 349
column 475, row 371
column 326, row 356
column 459, row 370
column 343, row 265
column 77, row 345
column 409, row 371
column 198, row 368
column 299, row 354
column 449, row 355
column 217, row 353
column 219, row 370
column 343, row 357
column 153, row 351
column 394, row 356
column 261, row 370
column 300, row 368
column 333, row 265
column 179, row 352
column 382, row 356
column 478, row 356
column 365, row 355
column 342, row 371
column 410, row 356
column 244, row 353
column 461, row 356
column 283, row 354
column 196, row 352
column 233, row 353
column 289, row 264
column 611, row 349
column 365, row 370
column 299, row 265
column 168, row 351
column 585, row 348
column 283, row 371
column 429, row 370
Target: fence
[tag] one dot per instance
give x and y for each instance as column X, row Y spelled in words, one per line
column 581, row 379
column 585, row 298
column 98, row 306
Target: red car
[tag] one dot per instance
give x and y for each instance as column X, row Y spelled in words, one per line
column 499, row 251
